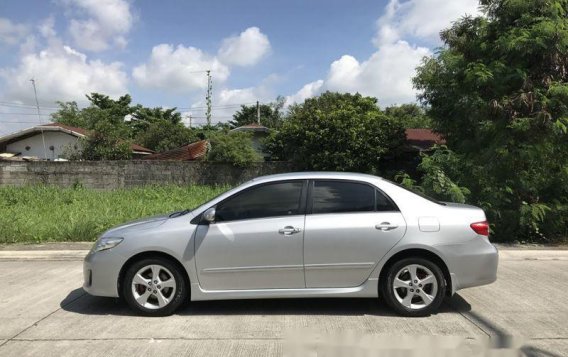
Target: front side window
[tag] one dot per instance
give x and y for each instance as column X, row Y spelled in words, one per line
column 271, row 200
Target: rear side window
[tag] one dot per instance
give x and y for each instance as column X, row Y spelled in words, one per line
column 343, row 197
column 271, row 200
column 337, row 197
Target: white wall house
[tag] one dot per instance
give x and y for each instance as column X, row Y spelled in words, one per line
column 55, row 145
column 58, row 138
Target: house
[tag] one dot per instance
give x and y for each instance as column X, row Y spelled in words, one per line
column 259, row 133
column 190, row 152
column 48, row 142
column 422, row 139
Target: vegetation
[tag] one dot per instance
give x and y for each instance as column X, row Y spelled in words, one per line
column 342, row 132
column 271, row 115
column 234, row 148
column 409, row 115
column 498, row 91
column 157, row 129
column 43, row 214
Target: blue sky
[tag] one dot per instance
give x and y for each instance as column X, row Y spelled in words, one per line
column 157, row 50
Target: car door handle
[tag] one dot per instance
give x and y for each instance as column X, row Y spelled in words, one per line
column 386, row 226
column 289, row 230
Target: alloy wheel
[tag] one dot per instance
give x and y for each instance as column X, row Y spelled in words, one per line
column 153, row 286
column 415, row 287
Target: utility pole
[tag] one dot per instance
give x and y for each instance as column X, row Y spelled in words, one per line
column 190, row 121
column 208, row 97
column 257, row 112
column 39, row 119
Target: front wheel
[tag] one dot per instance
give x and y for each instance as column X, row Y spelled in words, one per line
column 154, row 287
column 414, row 287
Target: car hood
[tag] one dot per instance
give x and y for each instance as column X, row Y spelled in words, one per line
column 139, row 224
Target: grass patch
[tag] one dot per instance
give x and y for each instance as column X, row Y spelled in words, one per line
column 53, row 214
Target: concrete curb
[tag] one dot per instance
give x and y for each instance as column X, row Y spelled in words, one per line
column 42, row 255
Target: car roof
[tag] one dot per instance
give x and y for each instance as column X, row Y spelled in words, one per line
column 316, row 175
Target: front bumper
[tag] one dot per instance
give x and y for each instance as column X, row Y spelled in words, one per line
column 101, row 271
column 472, row 263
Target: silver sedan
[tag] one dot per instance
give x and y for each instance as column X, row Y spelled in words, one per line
column 299, row 235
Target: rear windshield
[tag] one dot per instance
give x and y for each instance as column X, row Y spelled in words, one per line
column 418, row 193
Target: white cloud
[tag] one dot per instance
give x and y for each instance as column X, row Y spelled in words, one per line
column 179, row 69
column 387, row 73
column 62, row 74
column 97, row 25
column 11, row 33
column 422, row 19
column 307, row 91
column 246, row 49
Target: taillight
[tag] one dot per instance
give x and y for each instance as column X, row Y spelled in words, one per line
column 481, row 228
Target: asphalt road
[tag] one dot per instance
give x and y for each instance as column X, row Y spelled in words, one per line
column 44, row 312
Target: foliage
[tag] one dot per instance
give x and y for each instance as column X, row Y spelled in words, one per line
column 157, row 129
column 342, row 132
column 409, row 115
column 232, row 147
column 498, row 92
column 45, row 213
column 271, row 115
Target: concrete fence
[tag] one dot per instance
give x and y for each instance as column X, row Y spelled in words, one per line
column 119, row 174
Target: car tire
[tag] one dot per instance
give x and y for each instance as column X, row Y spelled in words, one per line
column 414, row 287
column 154, row 287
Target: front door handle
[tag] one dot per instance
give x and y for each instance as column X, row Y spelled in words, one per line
column 289, row 230
column 386, row 226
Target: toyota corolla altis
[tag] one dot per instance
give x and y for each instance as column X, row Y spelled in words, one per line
column 298, row 235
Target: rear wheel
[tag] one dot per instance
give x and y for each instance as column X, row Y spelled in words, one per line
column 154, row 287
column 414, row 287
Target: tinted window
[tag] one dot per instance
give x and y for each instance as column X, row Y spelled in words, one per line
column 384, row 204
column 278, row 199
column 336, row 197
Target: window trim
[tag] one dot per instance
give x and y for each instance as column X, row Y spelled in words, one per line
column 301, row 210
column 310, row 198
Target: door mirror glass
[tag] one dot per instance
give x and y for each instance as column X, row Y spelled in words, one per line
column 209, row 215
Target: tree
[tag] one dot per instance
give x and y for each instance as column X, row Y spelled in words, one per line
column 409, row 115
column 164, row 135
column 232, row 147
column 343, row 132
column 498, row 92
column 271, row 115
column 69, row 114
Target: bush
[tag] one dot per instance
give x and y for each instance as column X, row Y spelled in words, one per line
column 339, row 132
column 235, row 148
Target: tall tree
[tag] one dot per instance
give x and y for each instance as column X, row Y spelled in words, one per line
column 344, row 132
column 498, row 91
column 271, row 115
column 409, row 115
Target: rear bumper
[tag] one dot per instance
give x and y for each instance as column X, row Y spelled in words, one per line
column 472, row 263
column 100, row 272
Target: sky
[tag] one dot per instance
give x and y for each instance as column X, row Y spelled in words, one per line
column 158, row 51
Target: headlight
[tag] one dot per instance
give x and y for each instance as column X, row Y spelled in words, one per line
column 105, row 243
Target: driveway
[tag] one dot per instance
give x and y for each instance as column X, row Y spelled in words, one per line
column 43, row 311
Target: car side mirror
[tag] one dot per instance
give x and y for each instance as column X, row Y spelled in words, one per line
column 209, row 215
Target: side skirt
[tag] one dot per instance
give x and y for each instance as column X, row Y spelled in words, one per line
column 369, row 289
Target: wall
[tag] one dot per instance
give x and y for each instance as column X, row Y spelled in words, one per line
column 118, row 174
column 58, row 140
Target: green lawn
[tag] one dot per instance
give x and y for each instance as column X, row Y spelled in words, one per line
column 53, row 214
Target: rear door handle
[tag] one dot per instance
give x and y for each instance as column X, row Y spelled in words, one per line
column 386, row 226
column 289, row 230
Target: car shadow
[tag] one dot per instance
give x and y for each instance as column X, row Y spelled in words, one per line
column 81, row 303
